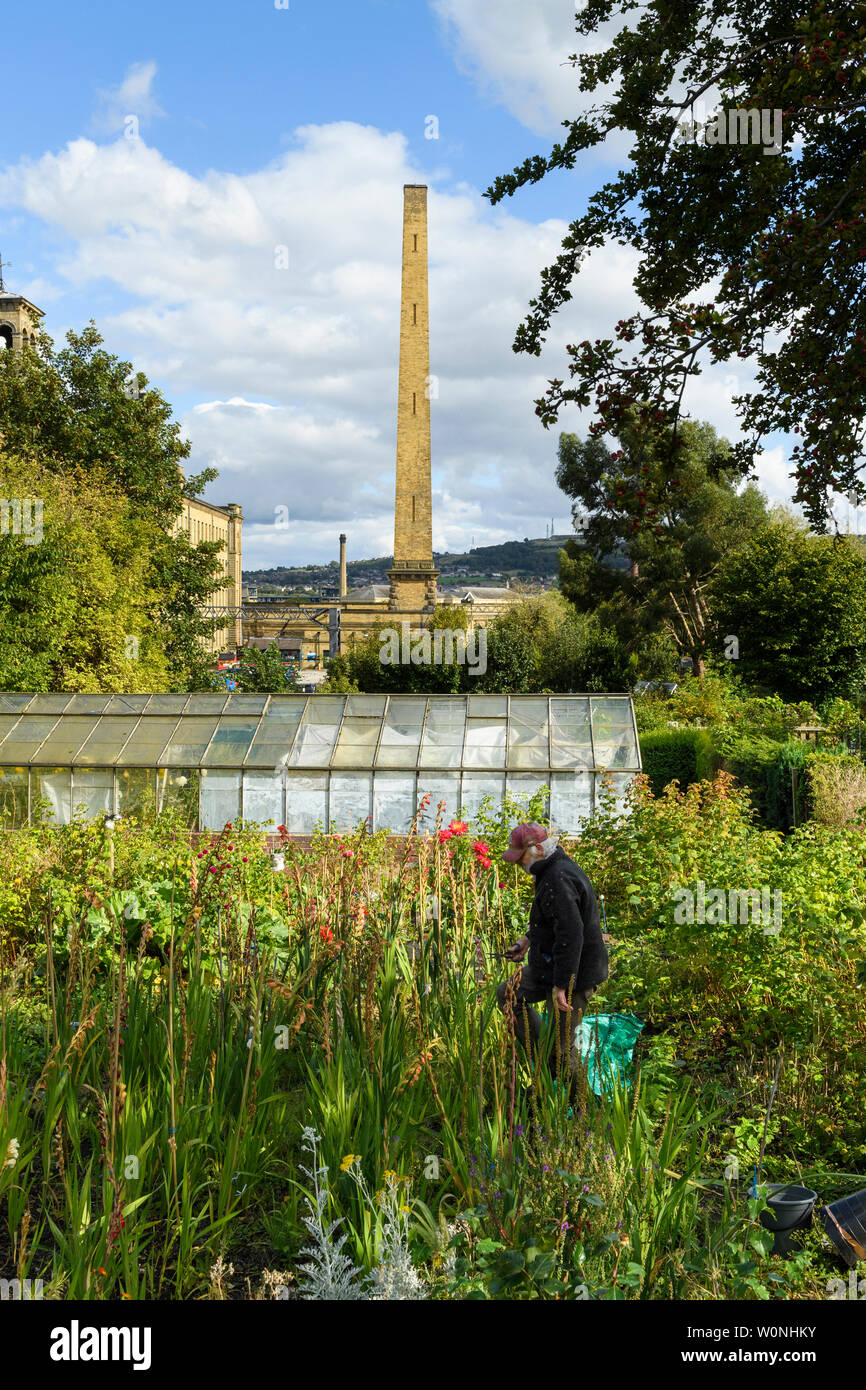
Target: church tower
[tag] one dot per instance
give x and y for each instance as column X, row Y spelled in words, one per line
column 413, row 578
column 19, row 319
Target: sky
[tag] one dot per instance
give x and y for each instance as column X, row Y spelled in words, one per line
column 220, row 188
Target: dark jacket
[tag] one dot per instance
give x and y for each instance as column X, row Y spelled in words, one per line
column 565, row 939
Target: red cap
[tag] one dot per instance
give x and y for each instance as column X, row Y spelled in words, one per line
column 522, row 836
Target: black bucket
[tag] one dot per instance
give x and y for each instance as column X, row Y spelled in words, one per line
column 789, row 1206
column 845, row 1224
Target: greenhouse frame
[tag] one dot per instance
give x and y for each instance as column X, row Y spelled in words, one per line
column 304, row 761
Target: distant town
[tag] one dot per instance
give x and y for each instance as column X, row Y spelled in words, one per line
column 532, row 564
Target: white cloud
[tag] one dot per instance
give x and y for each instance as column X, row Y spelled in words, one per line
column 291, row 374
column 132, row 97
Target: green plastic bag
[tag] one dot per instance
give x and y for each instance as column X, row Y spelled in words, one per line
column 606, row 1043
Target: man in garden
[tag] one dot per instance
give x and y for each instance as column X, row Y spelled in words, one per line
column 568, row 958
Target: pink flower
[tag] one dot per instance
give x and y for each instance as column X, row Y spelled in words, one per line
column 245, row 860
column 458, row 827
column 445, row 835
column 348, row 854
column 212, row 869
column 480, row 848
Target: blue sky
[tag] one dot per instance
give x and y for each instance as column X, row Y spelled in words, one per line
column 258, row 127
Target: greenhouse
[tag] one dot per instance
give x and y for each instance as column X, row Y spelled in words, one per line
column 308, row 760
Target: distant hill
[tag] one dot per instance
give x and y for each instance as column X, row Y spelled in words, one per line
column 527, row 562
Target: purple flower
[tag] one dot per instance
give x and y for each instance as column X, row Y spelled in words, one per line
column 545, row 1168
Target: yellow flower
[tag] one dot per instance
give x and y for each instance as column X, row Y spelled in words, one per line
column 406, row 1209
column 389, row 1173
column 347, row 1162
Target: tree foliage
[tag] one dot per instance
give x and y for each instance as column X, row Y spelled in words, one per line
column 795, row 602
column 782, row 234
column 670, row 537
column 73, row 413
column 76, row 609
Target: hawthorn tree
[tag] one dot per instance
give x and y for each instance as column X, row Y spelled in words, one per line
column 670, row 535
column 782, row 234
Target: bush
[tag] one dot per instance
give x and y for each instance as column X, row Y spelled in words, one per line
column 835, row 787
column 681, row 755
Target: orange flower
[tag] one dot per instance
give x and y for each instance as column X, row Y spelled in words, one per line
column 326, row 934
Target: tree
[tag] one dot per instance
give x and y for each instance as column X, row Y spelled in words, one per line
column 668, row 538
column 262, row 672
column 795, row 602
column 74, row 412
column 75, row 603
column 780, row 224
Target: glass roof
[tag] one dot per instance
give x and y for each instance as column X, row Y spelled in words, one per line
column 528, row 733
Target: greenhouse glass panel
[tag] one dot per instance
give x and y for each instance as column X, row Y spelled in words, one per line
column 92, row 792
column 264, row 798
column 7, row 724
column 48, row 704
column 478, row 785
column 485, row 743
column 14, row 703
column 276, row 734
column 393, row 801
column 401, row 732
column 24, row 741
column 570, row 799
column 230, row 743
column 167, row 704
column 65, row 739
column 570, row 734
column 136, row 791
column 357, row 742
column 246, row 704
column 522, row 786
column 306, row 801
column 366, row 704
column 220, row 798
column 528, row 744
column 177, row 790
column 444, row 734
column 126, row 704
column 189, row 741
column 206, row 704
column 54, row 786
column 145, row 745
column 13, row 798
column 317, row 733
column 350, row 800
column 88, row 704
column 105, row 744
column 488, row 706
column 442, row 786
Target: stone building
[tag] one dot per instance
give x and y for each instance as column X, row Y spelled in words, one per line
column 203, row 522
column 20, row 320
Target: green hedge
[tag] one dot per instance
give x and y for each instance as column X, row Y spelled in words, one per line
column 682, row 755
